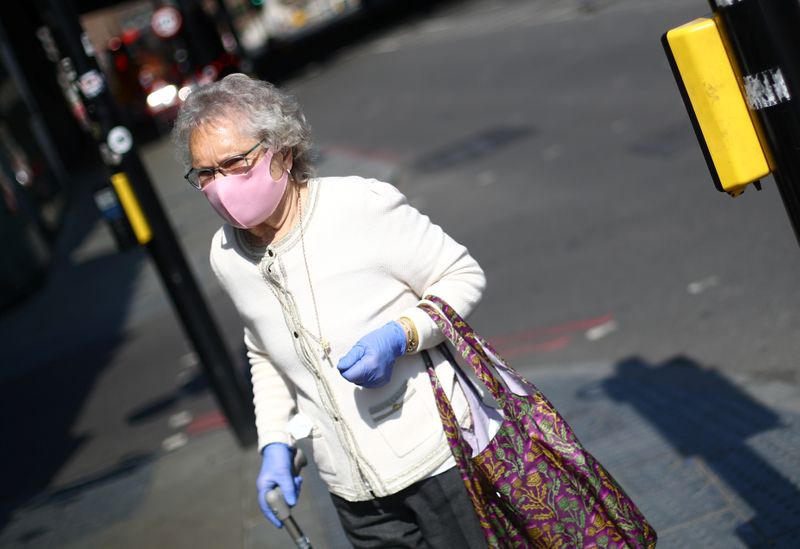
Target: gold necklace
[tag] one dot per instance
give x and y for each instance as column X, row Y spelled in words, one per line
column 326, row 346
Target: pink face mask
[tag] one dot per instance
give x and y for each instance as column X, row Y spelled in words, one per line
column 246, row 200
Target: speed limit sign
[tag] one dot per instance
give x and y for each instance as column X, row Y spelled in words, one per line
column 166, row 22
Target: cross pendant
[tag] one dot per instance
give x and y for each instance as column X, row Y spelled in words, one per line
column 326, row 348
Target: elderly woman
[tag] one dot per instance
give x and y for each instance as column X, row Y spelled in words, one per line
column 326, row 274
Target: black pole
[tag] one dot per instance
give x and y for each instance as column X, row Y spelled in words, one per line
column 764, row 36
column 163, row 247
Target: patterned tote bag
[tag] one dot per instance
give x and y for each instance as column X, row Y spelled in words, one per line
column 530, row 480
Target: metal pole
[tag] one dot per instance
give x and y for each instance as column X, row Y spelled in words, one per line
column 163, row 246
column 764, row 37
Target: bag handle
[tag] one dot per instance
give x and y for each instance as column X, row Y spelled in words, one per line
column 484, row 349
column 475, row 359
column 447, row 414
column 465, row 381
column 467, row 333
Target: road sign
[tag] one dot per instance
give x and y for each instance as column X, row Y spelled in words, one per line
column 166, row 22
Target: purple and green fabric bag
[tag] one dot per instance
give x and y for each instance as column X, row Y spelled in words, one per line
column 531, row 481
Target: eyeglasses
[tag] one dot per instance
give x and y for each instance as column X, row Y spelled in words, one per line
column 235, row 165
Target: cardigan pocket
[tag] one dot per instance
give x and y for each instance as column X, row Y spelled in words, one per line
column 395, row 417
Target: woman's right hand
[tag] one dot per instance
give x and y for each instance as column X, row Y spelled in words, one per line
column 276, row 470
column 369, row 363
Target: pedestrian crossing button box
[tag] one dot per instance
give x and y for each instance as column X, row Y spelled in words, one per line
column 716, row 105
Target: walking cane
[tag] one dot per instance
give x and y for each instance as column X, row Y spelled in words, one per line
column 281, row 509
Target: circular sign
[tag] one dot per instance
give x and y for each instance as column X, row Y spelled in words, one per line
column 119, row 139
column 91, row 84
column 166, row 22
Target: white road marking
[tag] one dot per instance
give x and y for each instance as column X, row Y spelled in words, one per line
column 189, row 359
column 702, row 285
column 181, row 419
column 173, row 442
column 188, row 366
column 602, row 330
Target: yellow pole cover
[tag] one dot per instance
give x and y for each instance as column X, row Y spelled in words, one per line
column 136, row 217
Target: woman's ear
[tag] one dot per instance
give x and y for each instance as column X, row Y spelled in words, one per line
column 288, row 160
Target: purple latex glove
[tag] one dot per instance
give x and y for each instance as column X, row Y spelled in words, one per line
column 276, row 470
column 369, row 363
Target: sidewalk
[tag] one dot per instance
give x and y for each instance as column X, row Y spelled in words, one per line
column 700, row 484
column 712, row 460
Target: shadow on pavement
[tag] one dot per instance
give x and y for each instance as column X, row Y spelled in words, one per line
column 470, row 148
column 194, row 385
column 703, row 415
column 56, row 345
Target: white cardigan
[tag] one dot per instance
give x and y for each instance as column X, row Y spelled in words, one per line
column 371, row 256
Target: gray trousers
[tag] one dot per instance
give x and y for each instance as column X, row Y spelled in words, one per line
column 434, row 513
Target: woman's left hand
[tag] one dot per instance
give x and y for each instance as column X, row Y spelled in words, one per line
column 369, row 363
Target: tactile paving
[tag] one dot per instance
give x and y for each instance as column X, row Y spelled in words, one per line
column 708, row 464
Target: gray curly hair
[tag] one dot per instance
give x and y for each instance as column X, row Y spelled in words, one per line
column 261, row 111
